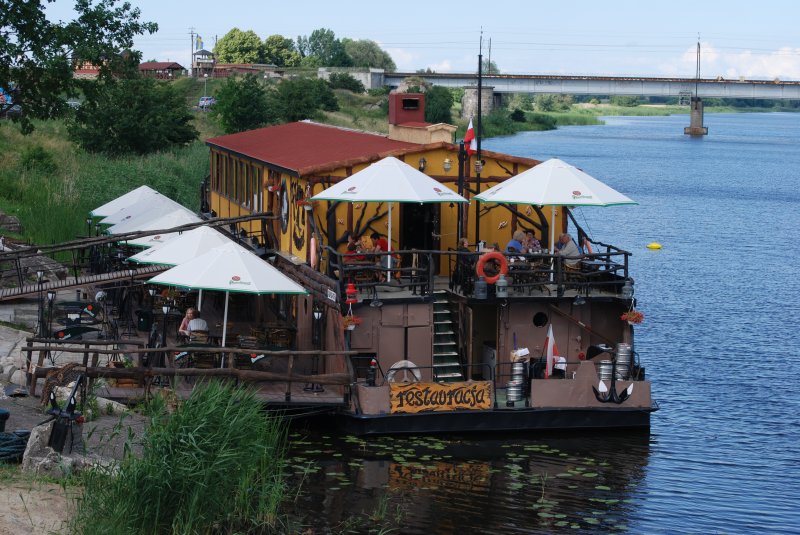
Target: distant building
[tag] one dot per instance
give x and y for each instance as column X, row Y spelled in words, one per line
column 161, row 69
column 202, row 62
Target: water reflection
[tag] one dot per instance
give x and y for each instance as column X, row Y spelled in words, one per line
column 504, row 485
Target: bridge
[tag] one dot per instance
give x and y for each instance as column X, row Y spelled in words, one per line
column 692, row 89
column 612, row 85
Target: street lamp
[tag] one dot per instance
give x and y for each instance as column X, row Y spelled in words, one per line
column 51, row 297
column 165, row 309
column 89, row 225
column 205, row 84
column 39, row 275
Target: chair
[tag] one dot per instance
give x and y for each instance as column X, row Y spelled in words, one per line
column 464, row 275
column 199, row 336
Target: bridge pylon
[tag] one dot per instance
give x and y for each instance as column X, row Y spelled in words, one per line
column 696, row 127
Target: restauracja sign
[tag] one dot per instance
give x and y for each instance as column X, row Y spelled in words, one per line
column 420, row 397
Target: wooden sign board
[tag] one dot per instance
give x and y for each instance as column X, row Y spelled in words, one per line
column 423, row 397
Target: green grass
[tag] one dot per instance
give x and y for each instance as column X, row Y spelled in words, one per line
column 212, row 466
column 53, row 189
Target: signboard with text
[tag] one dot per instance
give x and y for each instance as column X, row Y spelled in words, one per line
column 422, row 397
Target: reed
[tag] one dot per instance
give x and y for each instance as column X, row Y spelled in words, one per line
column 212, row 466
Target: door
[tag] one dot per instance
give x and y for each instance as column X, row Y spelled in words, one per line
column 419, row 229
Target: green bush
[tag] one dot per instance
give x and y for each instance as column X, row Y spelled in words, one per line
column 36, row 158
column 518, row 115
column 342, row 80
column 213, row 466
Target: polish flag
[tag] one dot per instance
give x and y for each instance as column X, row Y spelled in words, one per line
column 551, row 351
column 469, row 139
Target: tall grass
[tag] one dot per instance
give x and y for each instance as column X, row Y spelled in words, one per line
column 52, row 189
column 212, row 466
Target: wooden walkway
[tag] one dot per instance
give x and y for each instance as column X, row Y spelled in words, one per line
column 32, row 290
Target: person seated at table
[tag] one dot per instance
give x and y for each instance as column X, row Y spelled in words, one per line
column 192, row 322
column 515, row 244
column 531, row 243
column 569, row 251
column 354, row 249
column 379, row 243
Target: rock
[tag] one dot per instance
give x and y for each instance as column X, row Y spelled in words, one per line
column 8, row 371
column 19, row 377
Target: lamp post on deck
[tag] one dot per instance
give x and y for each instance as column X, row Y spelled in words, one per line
column 205, row 84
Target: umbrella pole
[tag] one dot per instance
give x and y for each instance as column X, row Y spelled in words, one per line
column 389, row 263
column 224, row 329
column 200, row 300
column 552, row 240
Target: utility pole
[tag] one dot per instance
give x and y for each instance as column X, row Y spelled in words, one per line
column 191, row 51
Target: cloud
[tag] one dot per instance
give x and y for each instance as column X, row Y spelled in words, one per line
column 783, row 63
column 404, row 59
column 442, row 66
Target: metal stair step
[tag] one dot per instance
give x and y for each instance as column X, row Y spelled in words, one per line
column 450, row 375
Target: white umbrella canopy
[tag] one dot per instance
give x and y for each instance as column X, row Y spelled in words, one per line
column 124, row 201
column 229, row 268
column 389, row 180
column 554, row 183
column 156, row 220
column 182, row 248
column 147, row 205
column 154, row 240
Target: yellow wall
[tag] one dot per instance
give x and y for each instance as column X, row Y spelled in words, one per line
column 495, row 226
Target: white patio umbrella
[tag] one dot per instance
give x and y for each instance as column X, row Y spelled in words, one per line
column 123, row 201
column 145, row 206
column 554, row 183
column 389, row 180
column 156, row 220
column 183, row 248
column 229, row 268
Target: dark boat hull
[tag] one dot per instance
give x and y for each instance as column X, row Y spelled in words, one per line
column 523, row 419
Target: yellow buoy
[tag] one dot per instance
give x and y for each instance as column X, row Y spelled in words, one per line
column 654, row 245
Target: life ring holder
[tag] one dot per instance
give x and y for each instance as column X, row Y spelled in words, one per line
column 499, row 258
column 410, row 372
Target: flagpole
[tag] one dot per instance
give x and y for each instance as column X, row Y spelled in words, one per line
column 478, row 137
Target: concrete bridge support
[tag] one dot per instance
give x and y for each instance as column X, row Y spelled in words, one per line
column 469, row 104
column 696, row 127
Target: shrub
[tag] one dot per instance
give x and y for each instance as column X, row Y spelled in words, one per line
column 36, row 158
column 518, row 116
column 342, row 80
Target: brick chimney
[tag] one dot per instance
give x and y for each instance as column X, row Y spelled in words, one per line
column 407, row 121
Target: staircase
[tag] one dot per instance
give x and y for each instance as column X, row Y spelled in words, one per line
column 446, row 364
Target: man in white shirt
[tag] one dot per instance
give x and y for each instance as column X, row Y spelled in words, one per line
column 569, row 251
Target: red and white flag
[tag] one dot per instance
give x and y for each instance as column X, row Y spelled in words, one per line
column 470, row 142
column 551, row 352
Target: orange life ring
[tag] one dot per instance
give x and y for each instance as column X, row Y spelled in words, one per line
column 494, row 255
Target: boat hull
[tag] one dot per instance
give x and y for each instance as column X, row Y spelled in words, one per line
column 496, row 420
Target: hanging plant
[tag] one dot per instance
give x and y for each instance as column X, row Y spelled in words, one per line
column 633, row 317
column 350, row 321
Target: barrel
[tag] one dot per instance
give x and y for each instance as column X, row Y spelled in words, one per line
column 604, row 370
column 518, row 371
column 623, row 353
column 514, row 390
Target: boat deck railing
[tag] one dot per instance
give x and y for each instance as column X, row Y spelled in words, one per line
column 526, row 275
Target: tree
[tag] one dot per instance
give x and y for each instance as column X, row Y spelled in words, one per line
column 342, row 80
column 280, row 51
column 304, row 97
column 237, row 46
column 438, row 105
column 37, row 56
column 366, row 53
column 135, row 115
column 490, row 67
column 327, row 50
column 627, row 101
column 245, row 104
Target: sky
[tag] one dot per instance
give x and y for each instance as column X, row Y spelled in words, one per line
column 758, row 40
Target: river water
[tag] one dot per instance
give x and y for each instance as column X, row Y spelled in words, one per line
column 720, row 342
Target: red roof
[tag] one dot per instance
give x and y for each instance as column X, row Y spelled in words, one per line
column 159, row 66
column 306, row 147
